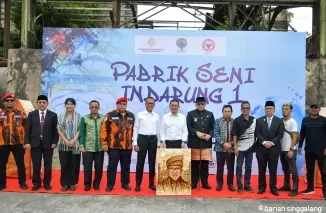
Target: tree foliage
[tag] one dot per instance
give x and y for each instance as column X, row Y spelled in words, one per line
column 49, row 18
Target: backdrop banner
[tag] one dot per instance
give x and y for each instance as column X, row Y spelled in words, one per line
column 226, row 67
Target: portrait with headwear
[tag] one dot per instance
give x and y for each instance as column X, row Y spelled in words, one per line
column 174, row 172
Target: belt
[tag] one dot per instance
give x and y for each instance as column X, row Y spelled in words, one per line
column 146, row 136
column 173, row 141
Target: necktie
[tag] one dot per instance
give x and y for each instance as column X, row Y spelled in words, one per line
column 269, row 120
column 42, row 122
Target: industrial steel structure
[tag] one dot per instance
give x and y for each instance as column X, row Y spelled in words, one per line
column 241, row 15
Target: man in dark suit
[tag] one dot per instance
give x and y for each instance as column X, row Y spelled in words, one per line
column 269, row 132
column 41, row 136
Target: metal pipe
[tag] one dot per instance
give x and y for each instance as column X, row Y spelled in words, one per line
column 140, row 15
column 217, row 22
column 6, row 42
column 253, row 21
column 198, row 18
column 150, row 16
column 322, row 29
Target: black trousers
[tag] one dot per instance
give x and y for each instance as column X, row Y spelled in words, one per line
column 310, row 165
column 221, row 159
column 18, row 151
column 270, row 159
column 124, row 157
column 37, row 153
column 88, row 159
column 70, row 167
column 146, row 144
column 199, row 166
column 173, row 144
column 289, row 167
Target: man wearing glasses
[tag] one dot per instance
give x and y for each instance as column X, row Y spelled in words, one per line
column 146, row 139
column 90, row 146
column 200, row 123
column 116, row 137
column 41, row 136
column 269, row 132
column 173, row 127
column 243, row 132
column 12, row 122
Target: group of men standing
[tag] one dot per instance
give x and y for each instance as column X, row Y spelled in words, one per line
column 120, row 131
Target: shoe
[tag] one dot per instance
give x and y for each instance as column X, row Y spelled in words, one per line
column 293, row 193
column 47, row 187
column 109, row 189
column 206, row 186
column 284, row 188
column 2, row 187
column 137, row 189
column 308, row 191
column 219, row 187
column 231, row 187
column 87, row 188
column 97, row 188
column 126, row 187
column 261, row 191
column 274, row 192
column 152, row 187
column 72, row 187
column 240, row 190
column 23, row 186
column 248, row 189
column 35, row 188
column 64, row 188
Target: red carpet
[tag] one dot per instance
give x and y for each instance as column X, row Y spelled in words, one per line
column 12, row 186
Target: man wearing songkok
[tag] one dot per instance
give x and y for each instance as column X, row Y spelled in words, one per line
column 269, row 132
column 91, row 147
column 200, row 123
column 174, row 184
column 41, row 136
column 116, row 137
column 12, row 122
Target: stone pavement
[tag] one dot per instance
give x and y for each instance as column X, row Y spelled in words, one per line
column 48, row 203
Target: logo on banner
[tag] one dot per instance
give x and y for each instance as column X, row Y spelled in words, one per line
column 212, row 163
column 182, row 44
column 208, row 45
column 151, row 42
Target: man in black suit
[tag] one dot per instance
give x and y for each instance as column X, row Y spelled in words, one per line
column 269, row 132
column 41, row 136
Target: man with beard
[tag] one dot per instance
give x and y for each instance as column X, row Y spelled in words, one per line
column 200, row 123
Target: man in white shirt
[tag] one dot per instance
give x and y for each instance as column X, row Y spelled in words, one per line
column 146, row 138
column 173, row 127
column 289, row 151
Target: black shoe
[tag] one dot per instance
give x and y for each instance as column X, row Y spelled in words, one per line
column 206, row 186
column 35, row 188
column 2, row 187
column 152, row 187
column 126, row 187
column 284, row 188
column 109, row 189
column 97, row 188
column 47, row 187
column 137, row 189
column 23, row 186
column 231, row 187
column 248, row 189
column 219, row 187
column 308, row 191
column 72, row 187
column 64, row 188
column 293, row 193
column 240, row 190
column 274, row 192
column 87, row 188
column 261, row 191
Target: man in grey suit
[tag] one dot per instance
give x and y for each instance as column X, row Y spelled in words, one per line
column 41, row 136
column 269, row 132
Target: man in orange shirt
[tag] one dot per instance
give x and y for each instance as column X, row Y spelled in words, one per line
column 12, row 123
column 116, row 138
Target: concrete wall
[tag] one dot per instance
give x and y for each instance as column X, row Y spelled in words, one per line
column 24, row 70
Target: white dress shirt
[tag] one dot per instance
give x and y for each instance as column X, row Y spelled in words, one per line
column 269, row 119
column 173, row 127
column 146, row 123
column 40, row 113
